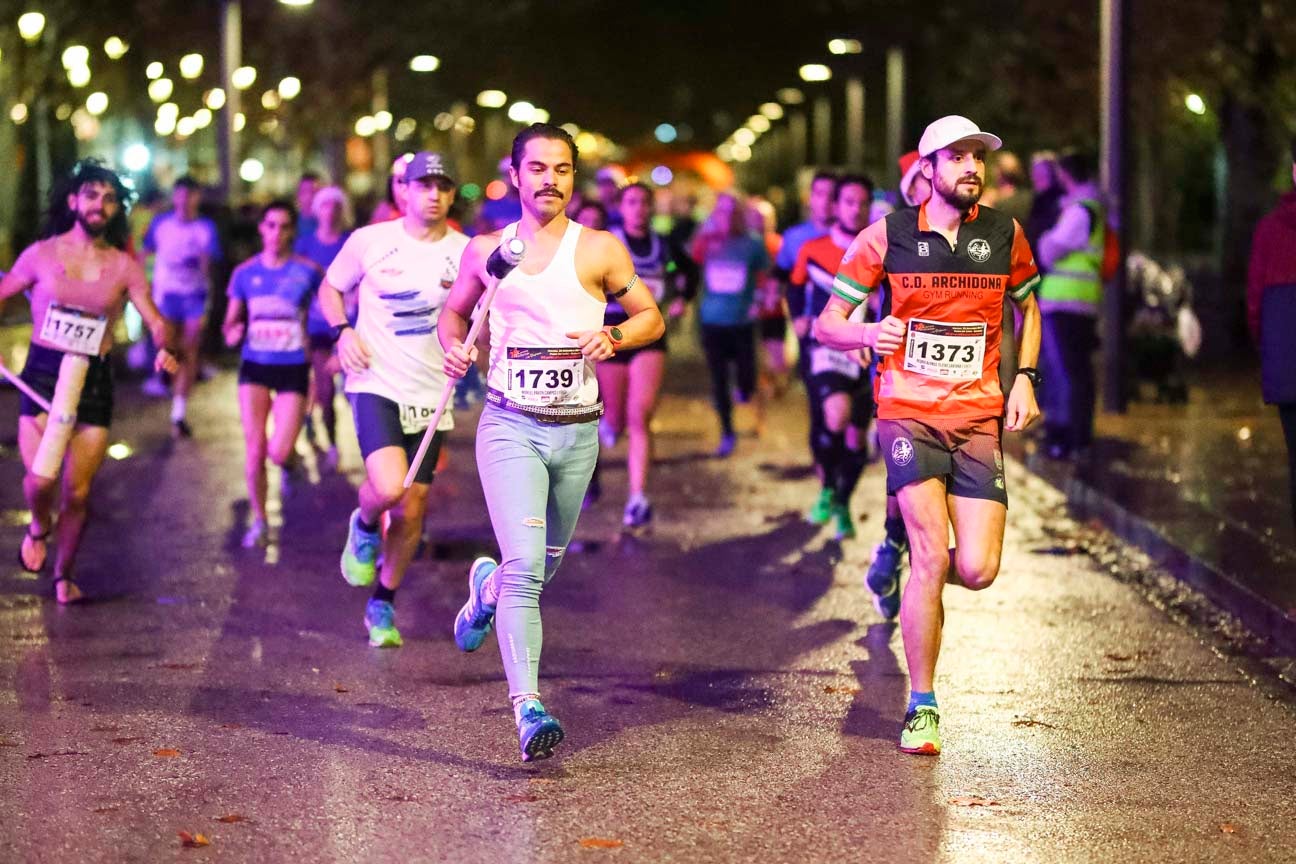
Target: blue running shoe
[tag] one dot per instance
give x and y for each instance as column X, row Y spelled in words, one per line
column 539, row 732
column 380, row 619
column 473, row 623
column 360, row 555
column 883, row 577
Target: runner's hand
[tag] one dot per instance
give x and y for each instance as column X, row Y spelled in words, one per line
column 1022, row 407
column 888, row 335
column 352, row 351
column 594, row 344
column 165, row 361
column 233, row 333
column 458, row 359
column 864, row 357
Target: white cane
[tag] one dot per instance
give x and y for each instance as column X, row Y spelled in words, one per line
column 501, row 262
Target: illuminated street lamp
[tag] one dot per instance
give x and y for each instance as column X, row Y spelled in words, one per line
column 115, row 47
column 243, row 77
column 75, row 55
column 1195, row 104
column 97, row 103
column 424, row 63
column 31, row 25
column 79, row 76
column 154, row 71
column 790, row 96
column 772, row 110
column 845, row 46
column 812, row 72
column 289, row 88
column 161, row 89
column 521, row 112
column 758, row 123
column 191, row 66
column 492, row 99
column 214, row 98
column 364, row 127
column 382, row 120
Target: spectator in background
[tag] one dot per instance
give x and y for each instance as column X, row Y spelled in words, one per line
column 1011, row 194
column 1271, row 315
column 609, row 179
column 1048, row 193
column 1071, row 253
column 592, row 215
column 307, row 186
column 683, row 223
column 914, row 187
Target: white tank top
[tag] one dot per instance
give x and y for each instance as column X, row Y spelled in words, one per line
column 532, row 360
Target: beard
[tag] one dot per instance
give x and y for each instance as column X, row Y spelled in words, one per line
column 956, row 196
column 93, row 229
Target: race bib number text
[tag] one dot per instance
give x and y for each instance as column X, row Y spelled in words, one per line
column 275, row 334
column 545, row 376
column 415, row 418
column 73, row 330
column 939, row 349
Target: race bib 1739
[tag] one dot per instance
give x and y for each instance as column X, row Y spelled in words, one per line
column 545, row 376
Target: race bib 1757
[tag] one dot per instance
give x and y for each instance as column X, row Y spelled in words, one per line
column 73, row 330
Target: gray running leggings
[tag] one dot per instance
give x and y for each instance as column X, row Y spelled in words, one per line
column 534, row 476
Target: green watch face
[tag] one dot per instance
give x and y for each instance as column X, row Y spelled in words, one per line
column 616, row 334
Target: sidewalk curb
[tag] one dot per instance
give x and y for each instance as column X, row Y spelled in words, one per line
column 1261, row 616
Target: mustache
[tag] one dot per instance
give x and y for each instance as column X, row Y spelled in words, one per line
column 548, row 191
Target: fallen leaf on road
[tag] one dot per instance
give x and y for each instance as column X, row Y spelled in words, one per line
column 600, row 843
column 166, row 753
column 1228, row 828
column 231, row 818
column 1029, row 723
column 192, row 841
column 973, row 801
column 125, row 740
column 338, row 688
column 56, row 753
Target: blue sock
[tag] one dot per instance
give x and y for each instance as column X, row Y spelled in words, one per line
column 917, row 700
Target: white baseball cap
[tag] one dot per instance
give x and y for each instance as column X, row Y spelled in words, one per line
column 947, row 130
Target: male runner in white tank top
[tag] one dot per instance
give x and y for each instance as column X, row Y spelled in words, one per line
column 538, row 436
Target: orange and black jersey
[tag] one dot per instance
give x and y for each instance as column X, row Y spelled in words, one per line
column 961, row 287
column 816, row 267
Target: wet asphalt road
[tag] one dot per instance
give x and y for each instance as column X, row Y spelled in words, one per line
column 728, row 691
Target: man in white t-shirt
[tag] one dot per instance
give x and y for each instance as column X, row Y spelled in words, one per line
column 403, row 270
column 185, row 246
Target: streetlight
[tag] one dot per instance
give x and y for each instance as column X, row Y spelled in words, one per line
column 492, row 99
column 160, row 90
column 758, row 123
column 214, row 98
column 665, row 133
column 289, row 88
column 744, row 137
column 153, row 71
column 97, row 103
column 31, row 25
column 251, row 170
column 364, row 127
column 191, row 66
column 845, row 46
column 75, row 55
column 136, row 158
column 812, row 72
column 424, row 63
column 1195, row 104
column 382, row 120
column 521, row 112
column 243, row 77
column 790, row 96
column 79, row 76
column 772, row 110
column 115, row 47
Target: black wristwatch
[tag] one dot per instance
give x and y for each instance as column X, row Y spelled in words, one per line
column 1032, row 375
column 337, row 329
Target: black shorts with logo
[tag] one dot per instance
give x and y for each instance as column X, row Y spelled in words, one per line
column 965, row 453
column 41, row 371
column 378, row 425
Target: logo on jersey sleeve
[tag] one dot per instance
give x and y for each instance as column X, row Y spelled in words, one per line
column 979, row 250
column 902, row 452
column 924, row 251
